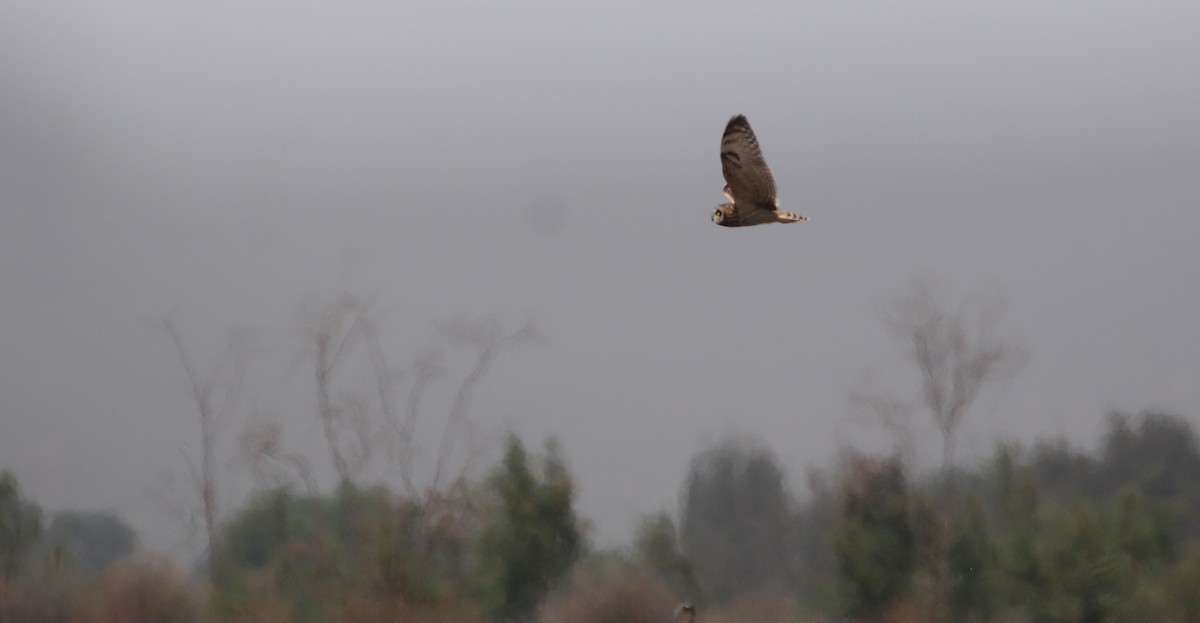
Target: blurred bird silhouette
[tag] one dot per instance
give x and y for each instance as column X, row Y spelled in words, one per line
column 682, row 608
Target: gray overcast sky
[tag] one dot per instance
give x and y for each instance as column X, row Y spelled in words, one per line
column 233, row 160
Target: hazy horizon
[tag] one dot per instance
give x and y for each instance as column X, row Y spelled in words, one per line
column 233, row 164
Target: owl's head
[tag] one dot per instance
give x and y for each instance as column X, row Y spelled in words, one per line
column 726, row 215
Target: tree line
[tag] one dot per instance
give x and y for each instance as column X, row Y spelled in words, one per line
column 1045, row 532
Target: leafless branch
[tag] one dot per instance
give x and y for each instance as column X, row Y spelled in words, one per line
column 878, row 406
column 488, row 339
column 224, row 377
column 261, row 446
column 332, row 333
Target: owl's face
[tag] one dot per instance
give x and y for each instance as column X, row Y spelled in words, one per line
column 726, row 215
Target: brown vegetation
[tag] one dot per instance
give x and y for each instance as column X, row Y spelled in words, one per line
column 149, row 590
column 610, row 592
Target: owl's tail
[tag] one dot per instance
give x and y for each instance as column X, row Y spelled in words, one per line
column 788, row 217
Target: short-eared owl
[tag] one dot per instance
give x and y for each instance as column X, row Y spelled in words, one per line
column 748, row 181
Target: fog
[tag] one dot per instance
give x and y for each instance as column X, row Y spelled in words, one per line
column 234, row 164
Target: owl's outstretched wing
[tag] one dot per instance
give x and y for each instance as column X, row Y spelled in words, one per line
column 746, row 173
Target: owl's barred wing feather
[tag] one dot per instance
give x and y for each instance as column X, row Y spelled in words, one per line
column 746, row 173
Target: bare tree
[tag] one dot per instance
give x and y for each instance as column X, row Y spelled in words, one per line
column 403, row 449
column 332, row 333
column 955, row 352
column 487, row 339
column 214, row 393
column 443, row 502
column 343, row 338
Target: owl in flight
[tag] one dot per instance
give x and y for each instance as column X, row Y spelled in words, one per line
column 748, row 181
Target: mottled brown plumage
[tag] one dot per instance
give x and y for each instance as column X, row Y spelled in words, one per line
column 749, row 184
